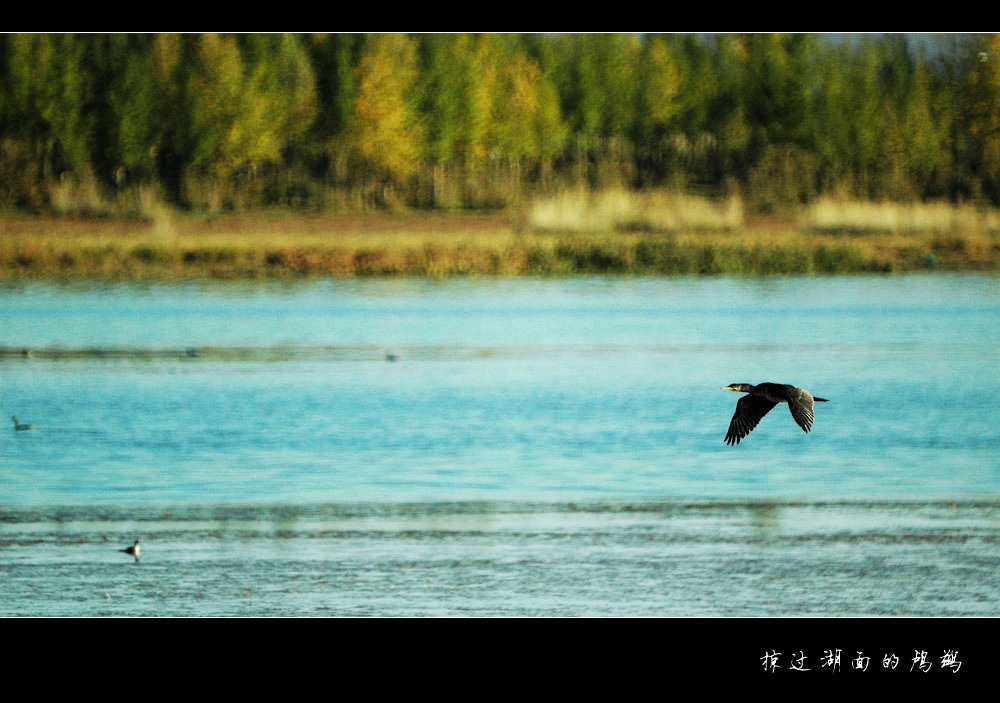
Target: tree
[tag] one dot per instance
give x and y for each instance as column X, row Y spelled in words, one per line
column 215, row 91
column 172, row 56
column 244, row 112
column 132, row 122
column 976, row 132
column 596, row 78
column 334, row 58
column 454, row 109
column 283, row 83
column 776, row 87
column 474, row 118
column 48, row 88
column 382, row 130
column 658, row 106
column 526, row 121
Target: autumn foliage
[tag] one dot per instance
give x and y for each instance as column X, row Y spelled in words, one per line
column 109, row 123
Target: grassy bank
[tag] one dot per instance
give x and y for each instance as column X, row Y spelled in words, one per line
column 282, row 245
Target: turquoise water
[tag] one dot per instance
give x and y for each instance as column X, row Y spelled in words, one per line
column 499, row 446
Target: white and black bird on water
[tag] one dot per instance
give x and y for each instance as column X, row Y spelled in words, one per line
column 19, row 426
column 135, row 550
column 760, row 399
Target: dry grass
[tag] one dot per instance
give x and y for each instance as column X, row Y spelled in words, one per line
column 170, row 246
column 621, row 210
column 852, row 217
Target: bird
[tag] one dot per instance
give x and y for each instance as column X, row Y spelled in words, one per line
column 759, row 401
column 19, row 427
column 134, row 550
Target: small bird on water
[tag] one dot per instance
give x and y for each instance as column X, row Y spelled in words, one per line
column 758, row 402
column 19, row 427
column 134, row 550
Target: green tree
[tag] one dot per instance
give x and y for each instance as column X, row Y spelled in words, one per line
column 131, row 124
column 596, row 77
column 776, row 89
column 48, row 89
column 442, row 91
column 658, row 86
column 975, row 83
column 281, row 76
column 243, row 113
column 172, row 59
column 848, row 124
column 658, row 107
column 215, row 96
column 720, row 127
column 526, row 121
column 987, row 126
column 334, row 58
column 454, row 108
column 912, row 155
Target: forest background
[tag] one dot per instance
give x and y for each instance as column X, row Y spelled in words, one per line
column 545, row 128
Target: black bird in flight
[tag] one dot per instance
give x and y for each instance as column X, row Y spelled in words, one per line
column 758, row 402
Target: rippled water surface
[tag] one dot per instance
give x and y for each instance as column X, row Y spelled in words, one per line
column 500, row 447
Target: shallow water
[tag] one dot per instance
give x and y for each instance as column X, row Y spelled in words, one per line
column 500, row 447
column 644, row 558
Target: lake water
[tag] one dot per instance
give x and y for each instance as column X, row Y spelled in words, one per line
column 500, row 447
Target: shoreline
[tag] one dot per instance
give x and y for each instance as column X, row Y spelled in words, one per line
column 282, row 245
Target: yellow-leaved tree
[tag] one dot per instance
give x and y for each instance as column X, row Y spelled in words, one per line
column 382, row 134
column 526, row 125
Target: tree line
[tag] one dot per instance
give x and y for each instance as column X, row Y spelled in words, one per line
column 483, row 120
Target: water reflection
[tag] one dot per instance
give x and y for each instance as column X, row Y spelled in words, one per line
column 765, row 518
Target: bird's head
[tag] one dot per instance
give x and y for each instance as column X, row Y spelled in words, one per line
column 741, row 387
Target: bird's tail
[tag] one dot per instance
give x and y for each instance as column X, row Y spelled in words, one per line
column 820, row 400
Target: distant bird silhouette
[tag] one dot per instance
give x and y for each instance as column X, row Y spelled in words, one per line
column 759, row 401
column 18, row 427
column 134, row 550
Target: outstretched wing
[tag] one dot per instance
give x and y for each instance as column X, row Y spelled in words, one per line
column 749, row 410
column 800, row 403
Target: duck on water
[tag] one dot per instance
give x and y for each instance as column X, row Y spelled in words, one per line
column 19, row 426
column 760, row 399
column 135, row 550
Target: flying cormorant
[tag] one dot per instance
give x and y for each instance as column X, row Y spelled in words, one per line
column 758, row 402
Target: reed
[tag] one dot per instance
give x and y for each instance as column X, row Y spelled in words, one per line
column 280, row 245
column 622, row 210
column 853, row 217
